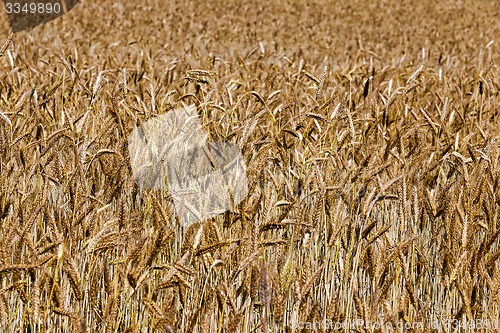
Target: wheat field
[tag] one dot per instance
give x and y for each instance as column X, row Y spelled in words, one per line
column 371, row 135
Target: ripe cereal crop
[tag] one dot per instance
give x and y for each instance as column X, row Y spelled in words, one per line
column 371, row 139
